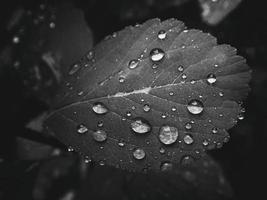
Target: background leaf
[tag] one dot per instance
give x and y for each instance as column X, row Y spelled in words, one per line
column 183, row 76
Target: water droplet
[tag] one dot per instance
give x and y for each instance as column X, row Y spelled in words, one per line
column 226, row 139
column 101, row 162
column 166, row 166
column 140, row 126
column 188, row 126
column 193, row 81
column 74, row 69
column 173, row 109
column 156, row 54
column 100, row 124
column 184, row 76
column 70, row 149
column 133, row 107
column 240, row 116
column 121, row 143
column 16, row 39
column 221, row 94
column 211, row 79
column 99, row 108
column 214, row 130
column 163, row 116
column 162, row 34
column 139, row 154
column 168, row 134
column 100, row 135
column 52, row 25
column 180, row 68
column 81, row 129
column 146, row 108
column 161, row 150
column 187, row 160
column 128, row 114
column 205, row 143
column 133, row 64
column 87, row 159
column 90, row 55
column 188, row 139
column 171, row 93
column 80, row 93
column 195, row 107
column 121, row 79
column 243, row 110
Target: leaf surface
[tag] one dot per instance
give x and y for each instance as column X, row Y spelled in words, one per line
column 107, row 108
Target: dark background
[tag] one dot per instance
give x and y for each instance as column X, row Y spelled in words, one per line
column 242, row 159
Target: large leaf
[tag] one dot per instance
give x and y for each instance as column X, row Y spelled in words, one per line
column 122, row 114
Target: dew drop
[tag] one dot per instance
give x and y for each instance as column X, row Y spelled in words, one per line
column 162, row 150
column 163, row 116
column 168, row 134
column 121, row 143
column 214, row 130
column 128, row 114
column 121, row 79
column 139, row 154
column 193, row 81
column 146, row 108
column 100, row 135
column 188, row 139
column 99, row 108
column 221, row 94
column 166, row 166
column 140, row 126
column 240, row 116
column 173, row 109
column 133, row 64
column 184, row 76
column 205, row 143
column 195, row 107
column 188, row 126
column 70, row 149
column 74, row 69
column 156, row 54
column 180, row 68
column 162, row 34
column 81, row 129
column 171, row 93
column 211, row 79
column 101, row 162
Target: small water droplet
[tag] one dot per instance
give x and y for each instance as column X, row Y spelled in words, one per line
column 161, row 150
column 146, row 108
column 139, row 154
column 187, row 160
column 243, row 110
column 205, row 143
column 101, row 162
column 81, row 129
column 193, row 81
column 99, row 108
column 121, row 79
column 100, row 135
column 133, row 64
column 166, row 166
column 240, row 116
column 133, row 107
column 180, row 68
column 168, row 134
column 184, row 76
column 87, row 159
column 74, row 69
column 140, row 126
column 195, row 107
column 188, row 139
column 70, row 149
column 52, row 25
column 100, row 124
column 121, row 143
column 211, row 79
column 221, row 94
column 162, row 34
column 226, row 139
column 188, row 126
column 128, row 114
column 156, row 54
column 214, row 130
column 90, row 55
column 16, row 39
column 216, row 65
column 163, row 116
column 173, row 109
column 80, row 93
column 171, row 93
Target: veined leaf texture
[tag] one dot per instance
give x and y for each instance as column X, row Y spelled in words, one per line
column 150, row 97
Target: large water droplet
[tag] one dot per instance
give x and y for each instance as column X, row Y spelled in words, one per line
column 166, row 166
column 140, row 126
column 139, row 154
column 133, row 64
column 81, row 129
column 100, row 108
column 188, row 139
column 195, row 107
column 162, row 34
column 211, row 79
column 100, row 135
column 168, row 134
column 156, row 54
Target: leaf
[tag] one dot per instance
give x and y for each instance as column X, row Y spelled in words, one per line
column 114, row 113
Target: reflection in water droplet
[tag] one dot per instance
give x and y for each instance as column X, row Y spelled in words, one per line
column 162, row 34
column 211, row 79
column 139, row 154
column 166, row 166
column 195, row 107
column 99, row 108
column 156, row 54
column 140, row 126
column 133, row 64
column 168, row 134
column 146, row 108
column 81, row 129
column 188, row 139
column 100, row 135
